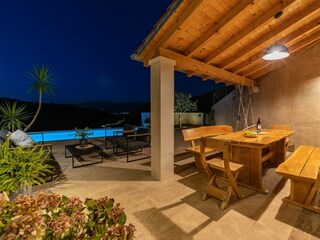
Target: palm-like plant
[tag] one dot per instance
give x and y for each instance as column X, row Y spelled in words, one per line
column 13, row 116
column 43, row 78
column 22, row 166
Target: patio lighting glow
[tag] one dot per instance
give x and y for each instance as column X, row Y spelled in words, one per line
column 276, row 52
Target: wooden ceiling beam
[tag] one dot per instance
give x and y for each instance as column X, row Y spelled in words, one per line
column 200, row 68
column 205, row 77
column 189, row 73
column 247, row 30
column 298, row 49
column 283, row 27
column 182, row 21
column 287, row 39
column 219, row 81
column 207, row 36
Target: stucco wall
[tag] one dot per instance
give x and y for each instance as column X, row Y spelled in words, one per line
column 223, row 111
column 195, row 119
column 289, row 95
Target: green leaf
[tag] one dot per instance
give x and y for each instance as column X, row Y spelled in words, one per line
column 64, row 199
column 91, row 224
column 122, row 218
column 89, row 203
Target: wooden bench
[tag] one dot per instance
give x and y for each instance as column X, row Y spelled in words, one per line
column 302, row 168
column 193, row 135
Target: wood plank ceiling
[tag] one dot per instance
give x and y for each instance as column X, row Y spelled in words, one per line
column 224, row 40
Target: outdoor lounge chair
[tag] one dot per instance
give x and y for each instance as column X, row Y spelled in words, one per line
column 127, row 129
column 133, row 143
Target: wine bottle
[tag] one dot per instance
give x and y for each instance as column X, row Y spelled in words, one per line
column 259, row 125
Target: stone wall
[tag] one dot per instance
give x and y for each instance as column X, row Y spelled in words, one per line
column 287, row 95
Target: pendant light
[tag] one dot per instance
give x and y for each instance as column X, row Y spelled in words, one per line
column 276, row 51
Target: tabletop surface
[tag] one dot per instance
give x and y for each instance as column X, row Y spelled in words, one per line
column 76, row 151
column 266, row 137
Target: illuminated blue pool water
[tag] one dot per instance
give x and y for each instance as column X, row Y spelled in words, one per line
column 47, row 136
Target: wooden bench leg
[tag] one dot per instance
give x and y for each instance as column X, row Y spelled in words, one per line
column 298, row 198
column 312, row 192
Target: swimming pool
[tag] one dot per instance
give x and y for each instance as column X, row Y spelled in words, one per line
column 47, row 136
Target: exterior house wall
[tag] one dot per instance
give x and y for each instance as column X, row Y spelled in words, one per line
column 287, row 95
column 195, row 119
column 223, row 111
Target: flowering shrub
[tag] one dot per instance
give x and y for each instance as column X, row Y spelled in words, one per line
column 50, row 216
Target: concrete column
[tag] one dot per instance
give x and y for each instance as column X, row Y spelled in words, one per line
column 162, row 117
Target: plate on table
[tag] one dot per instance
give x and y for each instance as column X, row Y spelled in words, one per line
column 262, row 133
column 250, row 134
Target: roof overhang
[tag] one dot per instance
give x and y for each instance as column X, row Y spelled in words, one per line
column 225, row 40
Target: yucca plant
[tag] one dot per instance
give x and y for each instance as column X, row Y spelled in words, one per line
column 21, row 167
column 13, row 116
column 43, row 78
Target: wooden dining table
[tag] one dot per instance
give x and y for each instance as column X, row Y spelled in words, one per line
column 252, row 152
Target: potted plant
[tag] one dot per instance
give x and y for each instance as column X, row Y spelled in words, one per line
column 51, row 216
column 83, row 134
column 21, row 167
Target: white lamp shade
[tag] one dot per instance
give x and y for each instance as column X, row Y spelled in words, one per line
column 276, row 52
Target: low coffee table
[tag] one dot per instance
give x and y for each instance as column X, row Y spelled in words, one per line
column 77, row 151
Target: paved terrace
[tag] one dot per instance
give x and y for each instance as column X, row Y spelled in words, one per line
column 173, row 209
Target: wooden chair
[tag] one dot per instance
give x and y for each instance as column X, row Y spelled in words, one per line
column 213, row 166
column 193, row 135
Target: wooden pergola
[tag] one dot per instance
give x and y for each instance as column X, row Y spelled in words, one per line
column 224, row 40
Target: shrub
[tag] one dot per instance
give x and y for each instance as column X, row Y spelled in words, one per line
column 51, row 216
column 21, row 167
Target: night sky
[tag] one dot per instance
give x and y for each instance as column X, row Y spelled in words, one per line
column 87, row 43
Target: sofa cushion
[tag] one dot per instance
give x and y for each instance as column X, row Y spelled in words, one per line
column 4, row 134
column 20, row 138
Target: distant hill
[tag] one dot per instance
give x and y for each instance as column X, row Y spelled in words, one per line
column 113, row 107
column 205, row 102
column 94, row 114
column 66, row 116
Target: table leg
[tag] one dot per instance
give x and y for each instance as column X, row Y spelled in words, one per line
column 255, row 176
column 251, row 158
column 280, row 151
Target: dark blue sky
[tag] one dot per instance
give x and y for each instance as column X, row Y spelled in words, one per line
column 87, row 43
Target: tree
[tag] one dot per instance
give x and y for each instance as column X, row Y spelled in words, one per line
column 43, row 78
column 182, row 104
